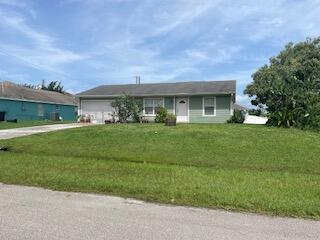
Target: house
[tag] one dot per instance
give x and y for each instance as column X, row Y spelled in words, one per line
column 251, row 119
column 239, row 107
column 192, row 102
column 22, row 103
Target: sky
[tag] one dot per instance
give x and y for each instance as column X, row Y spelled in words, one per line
column 86, row 43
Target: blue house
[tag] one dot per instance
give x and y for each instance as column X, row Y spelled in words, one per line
column 22, row 103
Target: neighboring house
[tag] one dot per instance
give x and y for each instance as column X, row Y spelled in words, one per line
column 249, row 119
column 239, row 107
column 193, row 102
column 22, row 103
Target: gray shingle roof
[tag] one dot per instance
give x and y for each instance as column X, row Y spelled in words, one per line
column 14, row 91
column 163, row 89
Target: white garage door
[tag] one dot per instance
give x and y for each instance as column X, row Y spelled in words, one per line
column 99, row 110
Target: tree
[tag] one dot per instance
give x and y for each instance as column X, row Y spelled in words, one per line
column 127, row 107
column 289, row 86
column 257, row 112
column 53, row 86
column 27, row 85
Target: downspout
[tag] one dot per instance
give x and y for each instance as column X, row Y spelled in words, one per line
column 174, row 105
column 80, row 107
column 232, row 101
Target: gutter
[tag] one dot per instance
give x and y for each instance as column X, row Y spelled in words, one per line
column 36, row 101
column 154, row 95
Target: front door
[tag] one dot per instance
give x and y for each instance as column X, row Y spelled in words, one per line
column 182, row 106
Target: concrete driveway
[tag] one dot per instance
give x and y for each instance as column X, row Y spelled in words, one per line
column 25, row 131
column 35, row 213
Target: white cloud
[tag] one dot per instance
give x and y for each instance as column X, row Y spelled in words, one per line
column 186, row 12
column 17, row 23
column 161, row 41
column 43, row 53
column 244, row 100
column 49, row 59
column 125, row 43
column 197, row 55
column 13, row 3
column 5, row 75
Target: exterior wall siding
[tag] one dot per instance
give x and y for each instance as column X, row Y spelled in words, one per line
column 196, row 110
column 23, row 110
column 169, row 104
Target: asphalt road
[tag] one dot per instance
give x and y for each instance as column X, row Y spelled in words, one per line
column 25, row 131
column 35, row 213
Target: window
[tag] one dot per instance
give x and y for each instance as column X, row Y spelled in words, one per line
column 40, row 110
column 23, row 109
column 148, row 106
column 158, row 103
column 152, row 105
column 57, row 107
column 209, row 106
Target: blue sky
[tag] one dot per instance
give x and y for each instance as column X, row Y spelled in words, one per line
column 88, row 43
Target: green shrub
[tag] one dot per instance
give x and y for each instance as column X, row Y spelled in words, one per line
column 161, row 115
column 257, row 112
column 237, row 117
column 127, row 107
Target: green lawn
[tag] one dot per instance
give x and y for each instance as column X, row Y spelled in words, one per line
column 237, row 167
column 9, row 125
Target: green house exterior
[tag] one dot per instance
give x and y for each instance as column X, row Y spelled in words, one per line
column 28, row 110
column 191, row 102
column 195, row 110
column 223, row 110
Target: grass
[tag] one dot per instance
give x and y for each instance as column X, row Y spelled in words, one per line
column 235, row 167
column 10, row 125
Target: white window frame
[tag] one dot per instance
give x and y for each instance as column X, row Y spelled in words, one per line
column 153, row 112
column 214, row 105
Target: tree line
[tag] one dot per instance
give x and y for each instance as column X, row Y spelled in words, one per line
column 53, row 86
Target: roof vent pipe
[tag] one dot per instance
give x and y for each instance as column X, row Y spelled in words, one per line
column 137, row 79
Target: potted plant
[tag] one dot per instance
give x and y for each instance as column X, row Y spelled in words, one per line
column 81, row 119
column 171, row 120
